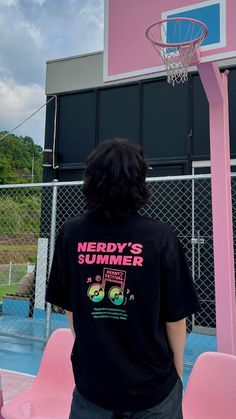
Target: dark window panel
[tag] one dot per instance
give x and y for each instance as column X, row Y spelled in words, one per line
column 70, row 175
column 119, row 113
column 76, row 127
column 201, row 133
column 49, row 124
column 166, row 170
column 165, row 120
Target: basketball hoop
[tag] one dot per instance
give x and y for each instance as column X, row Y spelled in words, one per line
column 176, row 40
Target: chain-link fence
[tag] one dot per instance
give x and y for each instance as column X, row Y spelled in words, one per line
column 32, row 215
column 185, row 204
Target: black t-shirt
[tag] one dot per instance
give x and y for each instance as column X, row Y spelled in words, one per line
column 122, row 280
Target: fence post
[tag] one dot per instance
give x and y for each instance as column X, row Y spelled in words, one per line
column 193, row 236
column 51, row 250
column 9, row 273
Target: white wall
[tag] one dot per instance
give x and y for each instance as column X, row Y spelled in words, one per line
column 74, row 73
column 79, row 72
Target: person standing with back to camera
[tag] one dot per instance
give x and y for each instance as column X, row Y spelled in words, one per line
column 125, row 285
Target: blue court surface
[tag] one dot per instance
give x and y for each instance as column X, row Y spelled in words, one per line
column 23, row 355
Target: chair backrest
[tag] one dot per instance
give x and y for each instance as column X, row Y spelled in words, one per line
column 211, row 389
column 55, row 370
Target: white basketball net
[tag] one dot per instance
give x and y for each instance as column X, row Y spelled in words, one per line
column 177, row 56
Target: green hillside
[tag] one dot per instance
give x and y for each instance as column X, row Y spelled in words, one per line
column 20, row 159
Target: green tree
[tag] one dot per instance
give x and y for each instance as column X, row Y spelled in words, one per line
column 6, row 172
column 21, row 157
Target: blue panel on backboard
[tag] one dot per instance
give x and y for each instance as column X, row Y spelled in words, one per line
column 210, row 15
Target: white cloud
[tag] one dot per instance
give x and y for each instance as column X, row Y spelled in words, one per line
column 21, row 49
column 92, row 15
column 17, row 102
column 5, row 73
column 8, row 3
column 33, row 32
column 39, row 2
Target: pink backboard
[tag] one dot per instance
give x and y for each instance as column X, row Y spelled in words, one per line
column 127, row 52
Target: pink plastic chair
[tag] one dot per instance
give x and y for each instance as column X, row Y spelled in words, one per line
column 211, row 389
column 51, row 393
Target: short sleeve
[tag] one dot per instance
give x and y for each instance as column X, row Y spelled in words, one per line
column 178, row 294
column 58, row 289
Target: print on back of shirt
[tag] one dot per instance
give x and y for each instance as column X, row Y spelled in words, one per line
column 103, row 253
column 96, row 292
column 113, row 254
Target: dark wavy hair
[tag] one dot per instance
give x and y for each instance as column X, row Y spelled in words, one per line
column 114, row 178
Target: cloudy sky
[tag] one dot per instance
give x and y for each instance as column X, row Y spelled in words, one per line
column 32, row 32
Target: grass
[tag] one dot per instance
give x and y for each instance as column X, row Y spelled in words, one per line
column 6, row 289
column 18, row 247
column 17, row 272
